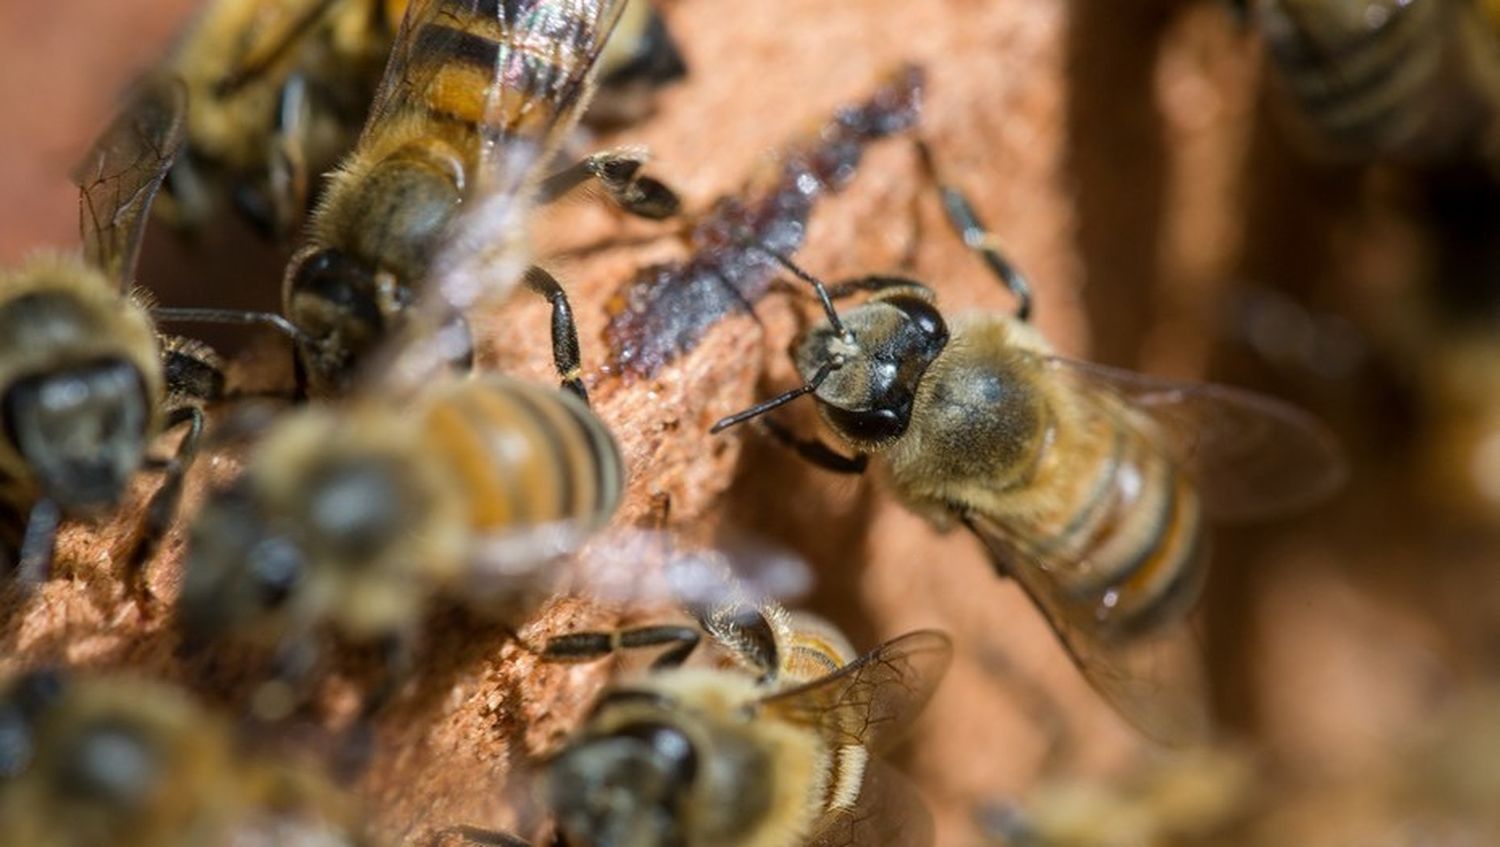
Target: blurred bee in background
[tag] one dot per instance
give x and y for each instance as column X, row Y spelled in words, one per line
column 476, row 98
column 115, row 761
column 773, row 746
column 279, row 90
column 1090, row 486
column 86, row 383
column 1416, row 80
column 1181, row 798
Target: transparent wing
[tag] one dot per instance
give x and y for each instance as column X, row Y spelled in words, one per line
column 890, row 812
column 519, row 69
column 1251, row 456
column 1154, row 679
column 647, row 566
column 873, row 699
column 119, row 177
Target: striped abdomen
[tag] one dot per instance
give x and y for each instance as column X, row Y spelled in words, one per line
column 1125, row 520
column 526, row 454
column 513, row 68
column 1380, row 77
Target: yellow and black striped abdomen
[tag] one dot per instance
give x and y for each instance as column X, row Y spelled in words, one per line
column 507, row 68
column 1127, row 536
column 526, row 454
column 1380, row 77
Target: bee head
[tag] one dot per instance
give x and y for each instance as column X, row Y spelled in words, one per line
column 625, row 788
column 879, row 353
column 341, row 307
column 81, row 429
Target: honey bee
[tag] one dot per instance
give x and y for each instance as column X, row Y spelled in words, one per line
column 86, row 385
column 1183, row 798
column 279, row 91
column 774, row 747
column 113, row 760
column 476, row 98
column 353, row 520
column 1417, row 80
column 1090, row 486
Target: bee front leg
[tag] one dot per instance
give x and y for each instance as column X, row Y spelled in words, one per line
column 619, row 172
column 565, row 353
column 816, row 452
column 488, row 837
column 586, row 646
column 162, row 507
column 38, row 543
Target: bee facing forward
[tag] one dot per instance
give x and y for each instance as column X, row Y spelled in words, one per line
column 475, row 100
column 774, row 748
column 104, row 760
column 1090, row 486
column 85, row 385
column 1415, row 79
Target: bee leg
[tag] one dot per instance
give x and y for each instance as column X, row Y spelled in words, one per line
column 619, row 172
column 816, row 451
column 358, row 745
column 586, row 646
column 34, row 562
column 296, row 658
column 163, row 504
column 971, row 229
column 489, row 837
column 878, row 285
column 288, row 172
column 565, row 354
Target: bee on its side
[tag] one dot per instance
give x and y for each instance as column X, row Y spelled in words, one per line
column 277, row 92
column 118, row 761
column 1416, row 80
column 84, row 381
column 477, row 96
column 773, row 747
column 1092, row 487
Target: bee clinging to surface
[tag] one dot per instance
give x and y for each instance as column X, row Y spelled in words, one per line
column 774, row 747
column 1090, row 486
column 90, row 761
column 1416, row 80
column 279, row 91
column 476, row 98
column 85, row 385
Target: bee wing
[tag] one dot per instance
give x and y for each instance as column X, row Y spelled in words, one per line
column 1154, row 679
column 636, row 565
column 119, row 177
column 1251, row 456
column 531, row 88
column 889, row 812
column 870, row 701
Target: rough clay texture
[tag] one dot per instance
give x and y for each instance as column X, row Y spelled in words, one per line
column 1120, row 152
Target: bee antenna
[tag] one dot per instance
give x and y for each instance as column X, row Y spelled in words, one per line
column 776, row 402
column 976, row 236
column 232, row 316
column 817, row 284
